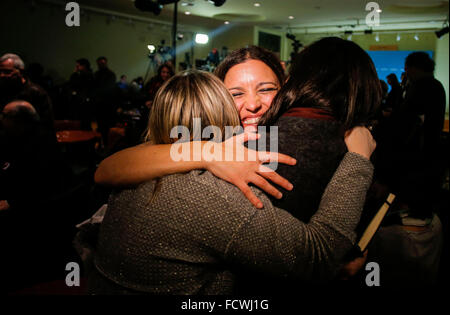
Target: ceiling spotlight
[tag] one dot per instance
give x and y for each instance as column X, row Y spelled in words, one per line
column 148, row 5
column 416, row 37
column 398, row 37
column 257, row 4
column 187, row 13
column 226, row 22
column 377, row 38
column 180, row 36
column 201, row 38
column 379, row 11
column 290, row 17
column 441, row 32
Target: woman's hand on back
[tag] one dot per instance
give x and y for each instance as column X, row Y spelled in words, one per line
column 250, row 168
column 359, row 140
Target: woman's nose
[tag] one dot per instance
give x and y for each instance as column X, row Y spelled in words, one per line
column 253, row 103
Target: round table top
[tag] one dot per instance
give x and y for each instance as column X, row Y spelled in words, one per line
column 72, row 136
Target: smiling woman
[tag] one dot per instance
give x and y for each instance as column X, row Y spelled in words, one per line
column 253, row 75
column 253, row 86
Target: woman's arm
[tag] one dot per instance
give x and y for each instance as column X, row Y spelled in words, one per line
column 275, row 242
column 141, row 163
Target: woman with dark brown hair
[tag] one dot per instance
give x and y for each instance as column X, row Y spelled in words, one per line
column 165, row 72
column 332, row 87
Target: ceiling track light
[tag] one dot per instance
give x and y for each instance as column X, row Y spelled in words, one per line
column 217, row 3
column 441, row 32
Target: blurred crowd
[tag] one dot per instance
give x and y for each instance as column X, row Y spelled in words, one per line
column 48, row 184
column 46, row 187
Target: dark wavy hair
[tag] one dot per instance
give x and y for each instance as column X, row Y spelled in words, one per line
column 334, row 75
column 251, row 53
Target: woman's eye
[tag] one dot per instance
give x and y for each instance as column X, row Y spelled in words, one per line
column 236, row 94
column 268, row 90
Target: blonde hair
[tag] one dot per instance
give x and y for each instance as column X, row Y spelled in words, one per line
column 188, row 95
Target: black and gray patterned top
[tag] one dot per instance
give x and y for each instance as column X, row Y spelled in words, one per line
column 199, row 230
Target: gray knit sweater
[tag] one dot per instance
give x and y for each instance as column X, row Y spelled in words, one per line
column 199, row 229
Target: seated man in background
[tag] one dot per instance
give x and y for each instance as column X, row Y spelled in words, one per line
column 34, row 181
column 15, row 85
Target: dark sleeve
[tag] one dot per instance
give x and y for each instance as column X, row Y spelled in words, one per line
column 273, row 241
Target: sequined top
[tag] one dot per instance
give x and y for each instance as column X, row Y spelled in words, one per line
column 199, row 230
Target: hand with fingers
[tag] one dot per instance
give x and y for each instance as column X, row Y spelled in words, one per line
column 247, row 166
column 351, row 268
column 360, row 140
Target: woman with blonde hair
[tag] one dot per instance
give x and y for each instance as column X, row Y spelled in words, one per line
column 253, row 75
column 193, row 233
